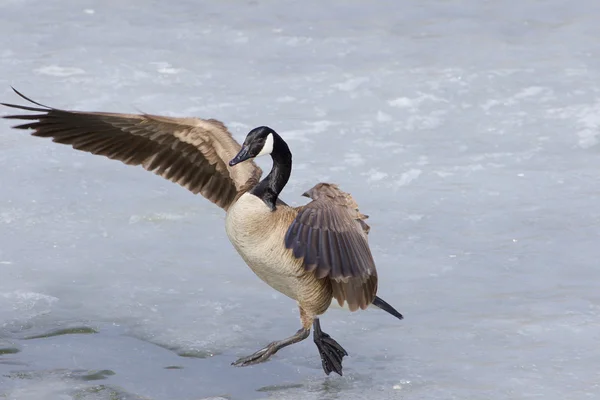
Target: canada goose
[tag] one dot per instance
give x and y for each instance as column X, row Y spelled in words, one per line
column 312, row 253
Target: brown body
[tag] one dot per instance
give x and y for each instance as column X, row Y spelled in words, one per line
column 255, row 230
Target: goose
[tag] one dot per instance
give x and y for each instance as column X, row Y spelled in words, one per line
column 312, row 254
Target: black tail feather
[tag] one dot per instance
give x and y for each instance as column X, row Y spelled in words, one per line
column 380, row 303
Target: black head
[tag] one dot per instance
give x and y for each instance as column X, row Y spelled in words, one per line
column 258, row 142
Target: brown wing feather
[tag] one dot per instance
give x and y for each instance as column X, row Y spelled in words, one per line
column 329, row 234
column 189, row 151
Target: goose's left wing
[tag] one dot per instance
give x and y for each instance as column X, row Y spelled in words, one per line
column 330, row 234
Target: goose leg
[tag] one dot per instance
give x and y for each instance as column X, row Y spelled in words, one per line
column 272, row 348
column 331, row 351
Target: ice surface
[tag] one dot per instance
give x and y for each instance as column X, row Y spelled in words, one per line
column 469, row 131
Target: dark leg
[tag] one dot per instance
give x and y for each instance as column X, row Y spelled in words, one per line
column 331, row 351
column 272, row 348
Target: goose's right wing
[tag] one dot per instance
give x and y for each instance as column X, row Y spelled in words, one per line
column 189, row 151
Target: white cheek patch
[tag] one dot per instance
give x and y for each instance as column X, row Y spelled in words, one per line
column 267, row 147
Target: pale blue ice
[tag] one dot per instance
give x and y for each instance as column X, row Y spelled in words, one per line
column 468, row 130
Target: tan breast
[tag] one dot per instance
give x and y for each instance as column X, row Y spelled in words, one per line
column 257, row 234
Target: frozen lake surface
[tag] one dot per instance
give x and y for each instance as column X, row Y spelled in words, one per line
column 468, row 130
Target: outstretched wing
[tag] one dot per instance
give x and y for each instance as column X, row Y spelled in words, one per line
column 330, row 235
column 189, row 151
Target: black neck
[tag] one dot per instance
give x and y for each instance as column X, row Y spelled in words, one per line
column 269, row 188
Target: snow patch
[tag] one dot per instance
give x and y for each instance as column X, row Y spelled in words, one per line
column 296, row 41
column 589, row 120
column 241, row 38
column 408, row 176
column 25, row 305
column 424, row 121
column 351, row 84
column 285, row 99
column 423, row 160
column 405, row 102
column 401, row 102
column 529, row 92
column 314, row 127
column 321, row 126
column 375, row 175
column 238, row 125
column 157, row 217
column 526, row 93
column 165, row 68
column 586, row 117
column 354, row 159
column 383, row 117
column 56, row 70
